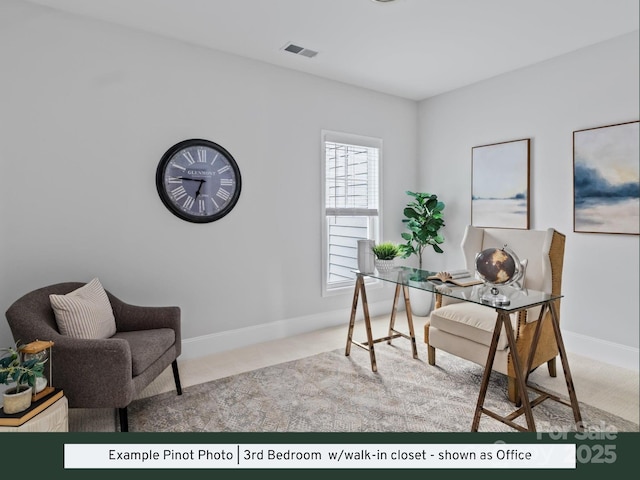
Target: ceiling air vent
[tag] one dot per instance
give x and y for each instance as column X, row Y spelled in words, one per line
column 305, row 52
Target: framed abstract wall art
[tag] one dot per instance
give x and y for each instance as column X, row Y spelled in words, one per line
column 606, row 179
column 500, row 185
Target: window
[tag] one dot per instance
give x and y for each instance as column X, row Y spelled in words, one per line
column 351, row 203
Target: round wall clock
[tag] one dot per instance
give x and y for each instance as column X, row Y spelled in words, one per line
column 198, row 181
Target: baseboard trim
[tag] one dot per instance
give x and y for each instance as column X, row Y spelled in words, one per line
column 204, row 345
column 196, row 347
column 602, row 350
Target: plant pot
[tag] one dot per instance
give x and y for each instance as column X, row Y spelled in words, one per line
column 384, row 266
column 421, row 301
column 15, row 402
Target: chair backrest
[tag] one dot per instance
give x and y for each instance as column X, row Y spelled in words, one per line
column 544, row 250
column 31, row 317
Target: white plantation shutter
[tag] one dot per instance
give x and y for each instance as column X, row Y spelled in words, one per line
column 351, row 202
column 351, row 180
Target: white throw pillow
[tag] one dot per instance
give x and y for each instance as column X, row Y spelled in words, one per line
column 85, row 312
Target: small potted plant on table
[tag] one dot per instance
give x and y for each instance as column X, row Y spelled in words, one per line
column 385, row 253
column 24, row 373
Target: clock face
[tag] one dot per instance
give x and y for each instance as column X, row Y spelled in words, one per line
column 198, row 181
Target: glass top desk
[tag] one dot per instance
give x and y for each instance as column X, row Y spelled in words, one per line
column 518, row 299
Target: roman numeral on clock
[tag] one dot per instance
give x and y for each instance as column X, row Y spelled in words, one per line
column 189, row 157
column 223, row 194
column 202, row 156
column 188, row 203
column 224, row 169
column 226, row 182
column 201, row 206
column 178, row 192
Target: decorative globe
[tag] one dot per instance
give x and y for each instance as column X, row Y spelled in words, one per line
column 497, row 266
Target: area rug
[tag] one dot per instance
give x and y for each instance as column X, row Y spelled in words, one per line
column 329, row 392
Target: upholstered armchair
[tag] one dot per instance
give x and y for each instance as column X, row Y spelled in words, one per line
column 465, row 329
column 102, row 372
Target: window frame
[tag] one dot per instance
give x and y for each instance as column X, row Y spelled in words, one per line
column 375, row 223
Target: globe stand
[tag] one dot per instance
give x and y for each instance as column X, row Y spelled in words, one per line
column 495, row 298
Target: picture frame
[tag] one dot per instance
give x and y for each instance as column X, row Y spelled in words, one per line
column 500, row 184
column 606, row 179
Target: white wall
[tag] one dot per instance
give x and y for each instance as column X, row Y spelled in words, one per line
column 87, row 111
column 591, row 87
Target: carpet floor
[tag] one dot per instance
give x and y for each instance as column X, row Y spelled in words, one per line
column 329, row 392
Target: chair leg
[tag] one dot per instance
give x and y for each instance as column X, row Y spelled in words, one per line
column 431, row 354
column 176, row 376
column 124, row 419
column 551, row 365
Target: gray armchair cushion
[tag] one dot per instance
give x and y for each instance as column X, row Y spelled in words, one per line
column 147, row 346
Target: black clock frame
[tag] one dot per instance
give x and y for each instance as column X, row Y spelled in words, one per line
column 166, row 197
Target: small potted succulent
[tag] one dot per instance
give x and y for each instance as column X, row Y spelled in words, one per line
column 385, row 254
column 24, row 373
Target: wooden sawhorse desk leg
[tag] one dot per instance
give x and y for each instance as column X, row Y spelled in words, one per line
column 368, row 345
column 573, row 399
column 367, row 322
column 393, row 333
column 503, row 319
column 522, row 375
column 565, row 366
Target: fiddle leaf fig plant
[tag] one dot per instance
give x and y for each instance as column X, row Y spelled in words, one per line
column 424, row 218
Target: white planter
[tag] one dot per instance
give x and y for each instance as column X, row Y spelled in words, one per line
column 384, row 266
column 421, row 301
column 16, row 402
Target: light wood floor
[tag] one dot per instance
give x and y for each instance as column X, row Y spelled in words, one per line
column 607, row 387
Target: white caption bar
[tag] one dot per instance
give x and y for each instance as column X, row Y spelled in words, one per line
column 319, row 456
